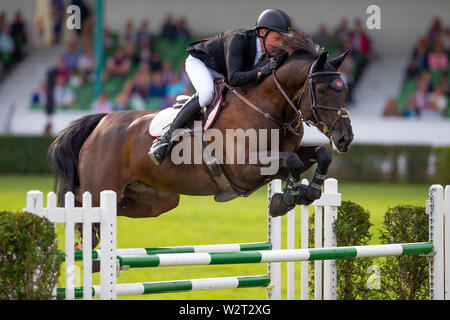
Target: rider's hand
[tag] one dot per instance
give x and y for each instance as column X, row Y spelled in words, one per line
column 267, row 69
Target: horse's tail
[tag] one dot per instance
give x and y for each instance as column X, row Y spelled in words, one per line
column 64, row 150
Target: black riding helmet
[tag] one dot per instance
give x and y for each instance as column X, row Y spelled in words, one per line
column 276, row 20
column 273, row 20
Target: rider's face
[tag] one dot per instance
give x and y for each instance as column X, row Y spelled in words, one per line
column 273, row 39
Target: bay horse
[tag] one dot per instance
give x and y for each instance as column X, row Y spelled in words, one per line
column 108, row 151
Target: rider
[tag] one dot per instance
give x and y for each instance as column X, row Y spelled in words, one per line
column 236, row 54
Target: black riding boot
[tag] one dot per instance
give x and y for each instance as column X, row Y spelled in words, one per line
column 161, row 146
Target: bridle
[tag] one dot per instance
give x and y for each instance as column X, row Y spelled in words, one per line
column 342, row 112
column 295, row 124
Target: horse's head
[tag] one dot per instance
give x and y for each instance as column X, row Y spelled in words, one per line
column 322, row 101
column 318, row 90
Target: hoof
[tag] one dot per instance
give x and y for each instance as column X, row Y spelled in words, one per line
column 278, row 207
column 307, row 195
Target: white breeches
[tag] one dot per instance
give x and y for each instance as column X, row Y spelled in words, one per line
column 202, row 79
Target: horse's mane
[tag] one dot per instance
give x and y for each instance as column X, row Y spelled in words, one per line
column 299, row 45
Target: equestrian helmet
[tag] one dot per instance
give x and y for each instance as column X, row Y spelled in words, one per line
column 276, row 20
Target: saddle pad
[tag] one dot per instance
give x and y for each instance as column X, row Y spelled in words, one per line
column 161, row 122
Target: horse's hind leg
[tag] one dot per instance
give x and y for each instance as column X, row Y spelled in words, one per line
column 142, row 201
column 95, row 234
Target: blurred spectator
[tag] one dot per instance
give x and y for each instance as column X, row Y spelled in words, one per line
column 141, row 82
column 3, row 21
column 86, row 64
column 445, row 38
column 119, row 64
column 360, row 40
column 341, row 33
column 63, row 95
column 425, row 77
column 129, row 34
column 420, row 54
column 19, row 34
column 322, row 38
column 58, row 12
column 435, row 29
column 39, row 96
column 109, row 42
column 420, row 96
column 167, row 72
column 183, row 32
column 169, row 29
column 38, row 31
column 390, row 109
column 155, row 62
column 71, row 56
column 411, row 111
column 445, row 84
column 61, row 69
column 130, row 52
column 6, row 46
column 146, row 52
column 157, row 87
column 437, row 59
column 413, row 70
column 436, row 104
column 135, row 99
column 143, row 35
column 123, row 101
column 176, row 86
column 102, row 104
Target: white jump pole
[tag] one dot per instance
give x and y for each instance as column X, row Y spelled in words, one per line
column 290, row 245
column 447, row 242
column 435, row 209
column 318, row 244
column 274, row 236
column 330, row 240
column 304, row 244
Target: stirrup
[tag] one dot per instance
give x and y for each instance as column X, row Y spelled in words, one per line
column 153, row 152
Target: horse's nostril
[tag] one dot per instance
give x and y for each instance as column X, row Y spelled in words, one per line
column 343, row 140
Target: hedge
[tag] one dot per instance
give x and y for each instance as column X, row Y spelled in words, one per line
column 367, row 163
column 29, row 261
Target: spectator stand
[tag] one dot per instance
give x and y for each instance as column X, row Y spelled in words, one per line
column 13, row 42
column 150, row 57
column 342, row 39
column 425, row 92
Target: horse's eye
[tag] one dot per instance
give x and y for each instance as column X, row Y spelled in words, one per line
column 322, row 90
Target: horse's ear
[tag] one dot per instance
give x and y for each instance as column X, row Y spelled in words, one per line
column 336, row 62
column 321, row 60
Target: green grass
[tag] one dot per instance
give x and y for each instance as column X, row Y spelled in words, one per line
column 200, row 220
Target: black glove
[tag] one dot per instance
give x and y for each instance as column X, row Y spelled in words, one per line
column 267, row 69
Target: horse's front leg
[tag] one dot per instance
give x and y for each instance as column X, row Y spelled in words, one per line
column 313, row 191
column 281, row 203
column 296, row 193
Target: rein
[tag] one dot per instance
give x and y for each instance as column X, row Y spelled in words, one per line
column 284, row 125
column 342, row 113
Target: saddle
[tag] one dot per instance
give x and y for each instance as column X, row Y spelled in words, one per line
column 162, row 121
column 225, row 189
